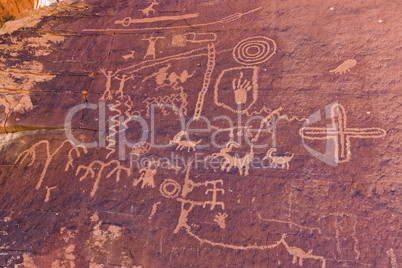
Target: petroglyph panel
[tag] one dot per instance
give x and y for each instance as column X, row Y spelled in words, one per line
column 210, row 133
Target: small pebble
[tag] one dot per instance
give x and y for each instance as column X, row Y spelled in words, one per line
column 331, row 8
column 380, row 21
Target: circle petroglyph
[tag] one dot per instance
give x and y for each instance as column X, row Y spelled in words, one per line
column 254, row 50
column 170, row 188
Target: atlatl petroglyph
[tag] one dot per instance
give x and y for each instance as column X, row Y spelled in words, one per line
column 127, row 21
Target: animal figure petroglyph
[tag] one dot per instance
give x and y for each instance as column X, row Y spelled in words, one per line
column 189, row 145
column 344, row 67
column 129, row 56
column 150, row 8
column 278, row 161
column 300, row 254
column 232, row 161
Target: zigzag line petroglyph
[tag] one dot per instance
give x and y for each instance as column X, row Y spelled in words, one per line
column 49, row 156
column 179, row 99
column 391, row 254
column 207, row 79
column 227, row 19
column 114, row 123
column 90, row 170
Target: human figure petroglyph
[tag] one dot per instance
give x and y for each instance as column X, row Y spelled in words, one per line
column 278, row 161
column 344, row 67
column 151, row 51
column 49, row 156
column 214, row 190
column 183, row 144
column 150, row 9
column 123, row 79
column 107, row 93
column 147, row 174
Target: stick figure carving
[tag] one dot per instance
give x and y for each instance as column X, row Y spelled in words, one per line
column 151, row 51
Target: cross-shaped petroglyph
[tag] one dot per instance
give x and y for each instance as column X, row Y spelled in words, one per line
column 340, row 133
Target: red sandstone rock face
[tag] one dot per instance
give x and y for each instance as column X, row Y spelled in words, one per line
column 10, row 9
column 328, row 194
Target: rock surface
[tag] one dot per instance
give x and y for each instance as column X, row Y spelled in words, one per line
column 320, row 82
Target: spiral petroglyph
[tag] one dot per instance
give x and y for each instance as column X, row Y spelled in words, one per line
column 254, row 50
